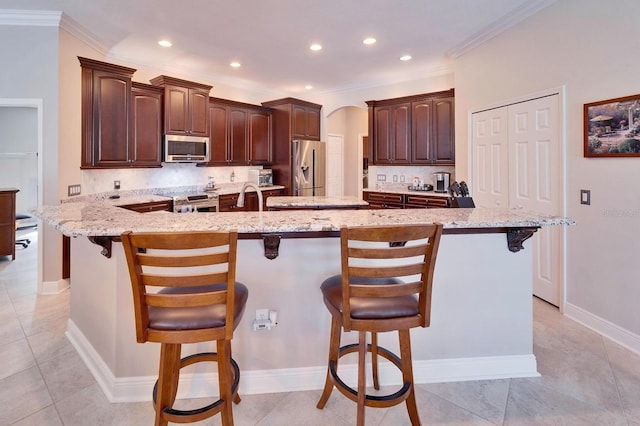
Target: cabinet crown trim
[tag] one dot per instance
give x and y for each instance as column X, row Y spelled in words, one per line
column 165, row 80
column 104, row 66
column 283, row 101
column 433, row 95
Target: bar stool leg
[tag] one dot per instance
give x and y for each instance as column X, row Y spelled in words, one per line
column 374, row 359
column 334, row 349
column 225, row 380
column 407, row 375
column 362, row 380
column 167, row 380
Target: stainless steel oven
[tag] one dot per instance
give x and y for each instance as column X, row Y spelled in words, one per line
column 204, row 202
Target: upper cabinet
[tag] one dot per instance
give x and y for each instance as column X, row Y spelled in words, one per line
column 111, row 112
column 185, row 106
column 413, row 130
column 146, row 133
column 292, row 119
column 240, row 133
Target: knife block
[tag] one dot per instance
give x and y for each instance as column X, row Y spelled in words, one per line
column 462, row 202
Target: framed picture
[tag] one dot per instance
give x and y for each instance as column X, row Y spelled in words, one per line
column 612, row 128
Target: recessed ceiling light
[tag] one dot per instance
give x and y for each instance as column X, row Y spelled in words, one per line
column 235, row 64
column 315, row 47
column 308, row 87
column 164, row 43
column 405, row 58
column 369, row 40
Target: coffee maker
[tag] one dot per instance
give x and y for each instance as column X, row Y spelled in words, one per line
column 441, row 181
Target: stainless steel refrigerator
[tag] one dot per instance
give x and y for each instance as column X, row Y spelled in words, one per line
column 309, row 167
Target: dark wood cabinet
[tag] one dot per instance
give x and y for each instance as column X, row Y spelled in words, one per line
column 152, row 206
column 8, row 222
column 146, row 134
column 425, row 201
column 185, row 106
column 391, row 200
column 433, row 131
column 292, row 119
column 240, row 133
column 392, row 134
column 415, row 129
column 384, row 200
column 121, row 120
column 228, row 202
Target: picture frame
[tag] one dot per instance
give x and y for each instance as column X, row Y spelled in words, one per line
column 612, row 127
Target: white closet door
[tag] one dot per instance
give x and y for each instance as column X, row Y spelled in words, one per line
column 335, row 165
column 490, row 158
column 517, row 163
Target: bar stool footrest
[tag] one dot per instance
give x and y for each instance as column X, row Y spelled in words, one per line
column 197, row 414
column 370, row 400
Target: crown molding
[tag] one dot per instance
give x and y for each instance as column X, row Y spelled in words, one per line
column 33, row 18
column 507, row 21
column 82, row 34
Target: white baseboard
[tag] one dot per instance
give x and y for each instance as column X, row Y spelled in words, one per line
column 608, row 329
column 54, row 287
column 136, row 389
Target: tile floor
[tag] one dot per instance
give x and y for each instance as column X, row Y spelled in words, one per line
column 586, row 379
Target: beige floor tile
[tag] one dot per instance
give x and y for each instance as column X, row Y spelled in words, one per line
column 626, row 369
column 15, row 357
column 45, row 417
column 50, row 344
column 65, row 375
column 10, row 330
column 484, row 398
column 531, row 403
column 299, row 408
column 22, row 395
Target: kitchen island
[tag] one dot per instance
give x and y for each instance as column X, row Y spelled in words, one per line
column 481, row 324
column 315, row 203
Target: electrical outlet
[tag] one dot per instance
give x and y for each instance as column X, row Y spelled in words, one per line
column 395, row 178
column 585, row 197
column 262, row 314
column 116, row 184
column 73, row 190
column 382, row 178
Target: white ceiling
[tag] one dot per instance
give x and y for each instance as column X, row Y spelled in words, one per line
column 271, row 38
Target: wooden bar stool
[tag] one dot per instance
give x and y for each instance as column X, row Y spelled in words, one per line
column 385, row 285
column 199, row 300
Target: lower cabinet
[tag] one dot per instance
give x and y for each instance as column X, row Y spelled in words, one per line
column 390, row 200
column 8, row 222
column 228, row 202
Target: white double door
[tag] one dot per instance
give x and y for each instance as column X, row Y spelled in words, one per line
column 517, row 163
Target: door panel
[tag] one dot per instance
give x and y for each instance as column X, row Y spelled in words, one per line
column 517, row 163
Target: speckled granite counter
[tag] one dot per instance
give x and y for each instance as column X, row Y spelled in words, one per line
column 404, row 190
column 317, row 202
column 104, row 218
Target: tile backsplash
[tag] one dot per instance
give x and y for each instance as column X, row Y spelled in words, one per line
column 381, row 177
column 169, row 175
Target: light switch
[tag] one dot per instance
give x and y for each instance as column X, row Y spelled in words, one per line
column 585, row 197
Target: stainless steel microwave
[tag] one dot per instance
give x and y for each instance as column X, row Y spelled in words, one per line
column 186, row 149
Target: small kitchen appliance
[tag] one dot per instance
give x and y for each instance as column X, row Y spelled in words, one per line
column 261, row 177
column 186, row 149
column 441, row 181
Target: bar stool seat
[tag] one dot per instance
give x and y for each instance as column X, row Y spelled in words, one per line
column 198, row 301
column 385, row 285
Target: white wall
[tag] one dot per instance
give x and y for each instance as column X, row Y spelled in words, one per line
column 592, row 49
column 33, row 74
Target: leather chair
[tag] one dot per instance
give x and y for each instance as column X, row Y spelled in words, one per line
column 385, row 285
column 192, row 306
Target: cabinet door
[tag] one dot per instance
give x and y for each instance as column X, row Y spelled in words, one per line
column 219, row 134
column 382, row 153
column 238, row 136
column 402, row 134
column 260, row 151
column 305, row 122
column 228, row 203
column 198, row 105
column 444, row 150
column 176, row 111
column 146, row 132
column 313, row 124
column 421, row 120
column 111, row 107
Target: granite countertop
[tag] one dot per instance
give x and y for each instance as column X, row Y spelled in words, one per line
column 317, row 201
column 99, row 216
column 405, row 190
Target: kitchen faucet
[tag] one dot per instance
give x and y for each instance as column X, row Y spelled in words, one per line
column 242, row 191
